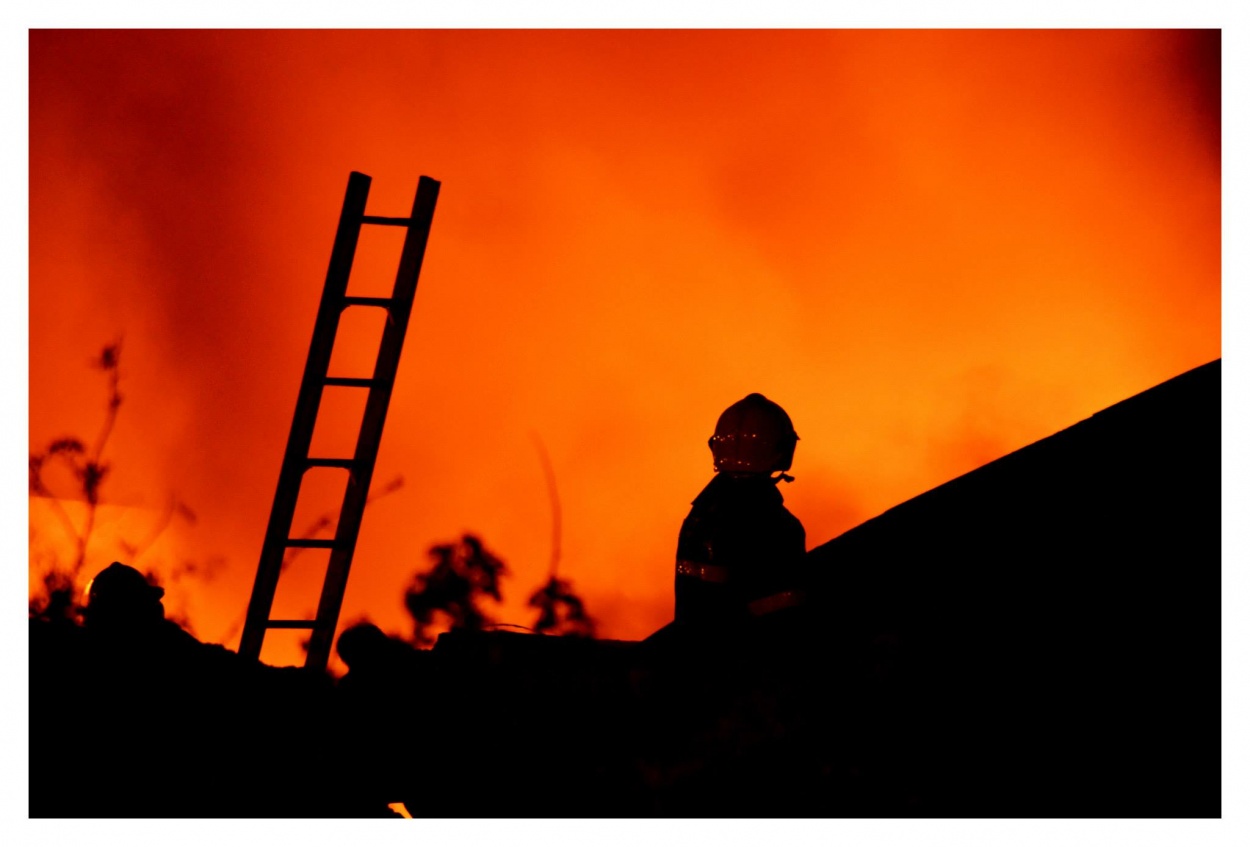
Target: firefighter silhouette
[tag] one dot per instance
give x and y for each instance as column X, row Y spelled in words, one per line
column 740, row 551
column 120, row 598
column 125, row 618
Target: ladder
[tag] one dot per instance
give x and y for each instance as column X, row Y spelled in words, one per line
column 296, row 461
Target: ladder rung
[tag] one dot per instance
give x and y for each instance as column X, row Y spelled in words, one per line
column 383, row 302
column 377, row 219
column 350, row 381
column 324, row 543
column 290, row 624
column 347, row 464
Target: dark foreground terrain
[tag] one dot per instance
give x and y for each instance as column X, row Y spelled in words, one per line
column 1037, row 638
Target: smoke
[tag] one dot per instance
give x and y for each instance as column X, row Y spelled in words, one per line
column 635, row 230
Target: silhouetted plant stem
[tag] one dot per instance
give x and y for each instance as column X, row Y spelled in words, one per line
column 90, row 471
column 553, row 496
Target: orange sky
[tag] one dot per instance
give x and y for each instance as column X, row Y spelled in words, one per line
column 931, row 247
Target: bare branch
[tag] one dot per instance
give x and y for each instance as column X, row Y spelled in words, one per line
column 549, row 475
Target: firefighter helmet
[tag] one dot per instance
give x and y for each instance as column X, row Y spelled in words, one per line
column 754, row 435
column 119, row 591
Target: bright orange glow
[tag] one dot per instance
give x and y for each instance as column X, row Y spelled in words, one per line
column 930, row 247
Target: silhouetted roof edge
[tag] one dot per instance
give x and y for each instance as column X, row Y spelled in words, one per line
column 1165, row 394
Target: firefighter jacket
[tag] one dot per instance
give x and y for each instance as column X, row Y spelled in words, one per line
column 740, row 552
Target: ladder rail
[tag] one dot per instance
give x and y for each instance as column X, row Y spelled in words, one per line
column 316, row 366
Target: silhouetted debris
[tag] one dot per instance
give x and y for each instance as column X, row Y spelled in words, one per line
column 382, row 697
column 553, row 711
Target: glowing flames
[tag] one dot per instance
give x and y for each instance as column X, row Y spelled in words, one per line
column 930, row 247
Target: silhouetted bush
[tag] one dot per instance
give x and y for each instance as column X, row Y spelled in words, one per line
column 449, row 594
column 561, row 611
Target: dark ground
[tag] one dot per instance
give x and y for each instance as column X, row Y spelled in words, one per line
column 1038, row 638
